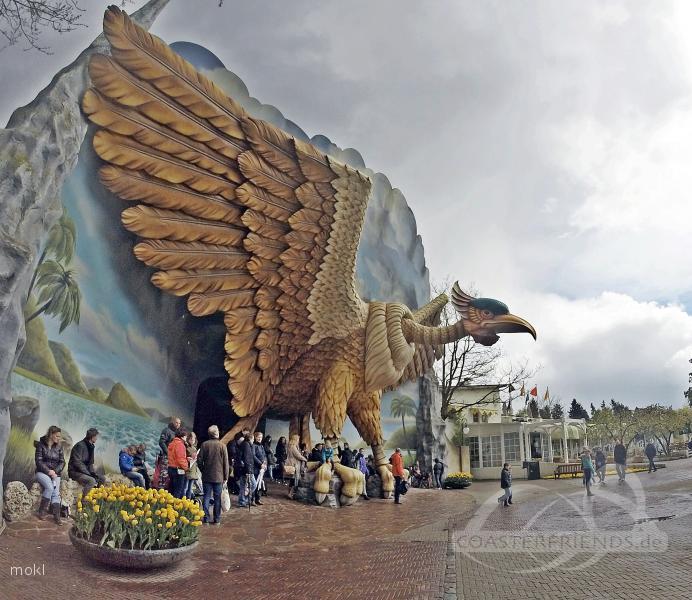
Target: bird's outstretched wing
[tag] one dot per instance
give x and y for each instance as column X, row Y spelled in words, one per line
column 234, row 213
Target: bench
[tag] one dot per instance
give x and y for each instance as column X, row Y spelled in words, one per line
column 568, row 468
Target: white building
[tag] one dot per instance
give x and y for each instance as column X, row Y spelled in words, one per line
column 495, row 438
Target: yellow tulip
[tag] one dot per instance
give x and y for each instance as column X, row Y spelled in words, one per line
column 159, row 526
column 148, row 520
column 196, row 523
column 134, row 521
column 97, row 508
column 169, row 525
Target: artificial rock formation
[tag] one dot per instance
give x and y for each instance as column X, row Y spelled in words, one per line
column 17, row 501
column 243, row 219
column 38, row 150
column 24, row 413
column 429, row 423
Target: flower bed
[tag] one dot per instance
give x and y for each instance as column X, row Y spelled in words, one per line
column 458, row 480
column 129, row 518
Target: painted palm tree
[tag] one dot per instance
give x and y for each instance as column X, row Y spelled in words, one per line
column 60, row 245
column 403, row 406
column 58, row 293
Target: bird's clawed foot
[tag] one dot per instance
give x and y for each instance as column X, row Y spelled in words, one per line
column 323, row 475
column 353, row 484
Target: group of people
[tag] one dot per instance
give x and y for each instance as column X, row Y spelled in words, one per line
column 186, row 469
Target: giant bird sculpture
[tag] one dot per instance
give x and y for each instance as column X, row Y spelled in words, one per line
column 244, row 219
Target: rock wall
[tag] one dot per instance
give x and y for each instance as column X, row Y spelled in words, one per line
column 38, row 150
column 430, row 426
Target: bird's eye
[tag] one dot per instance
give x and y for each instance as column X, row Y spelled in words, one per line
column 487, row 314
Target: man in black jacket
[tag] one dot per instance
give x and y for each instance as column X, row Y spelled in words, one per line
column 81, row 465
column 620, row 458
column 506, row 485
column 245, row 471
column 260, row 463
column 167, row 435
column 346, row 455
column 651, row 453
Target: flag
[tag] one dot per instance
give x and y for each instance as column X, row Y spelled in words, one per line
column 546, row 397
column 523, row 391
column 511, row 388
column 534, row 391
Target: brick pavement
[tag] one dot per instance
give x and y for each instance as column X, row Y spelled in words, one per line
column 382, row 551
column 542, row 507
column 280, row 550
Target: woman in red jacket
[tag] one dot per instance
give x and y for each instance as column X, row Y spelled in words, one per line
column 178, row 463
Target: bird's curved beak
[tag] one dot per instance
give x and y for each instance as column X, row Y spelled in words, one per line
column 509, row 324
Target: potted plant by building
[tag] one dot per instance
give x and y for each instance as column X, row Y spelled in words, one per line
column 135, row 528
column 458, row 480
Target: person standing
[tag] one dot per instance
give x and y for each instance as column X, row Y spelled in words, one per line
column 213, row 464
column 651, row 453
column 178, row 463
column 271, row 457
column 397, row 462
column 362, row 466
column 620, row 457
column 438, row 470
column 192, row 474
column 346, row 455
column 588, row 469
column 166, row 437
column 127, row 466
column 600, row 460
column 506, row 484
column 296, row 460
column 281, row 454
column 245, row 474
column 260, row 465
column 234, row 458
column 50, row 461
column 81, row 464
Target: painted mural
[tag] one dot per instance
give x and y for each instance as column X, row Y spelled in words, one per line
column 105, row 348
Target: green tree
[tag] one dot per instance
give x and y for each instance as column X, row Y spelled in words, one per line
column 60, row 245
column 58, row 293
column 661, row 423
column 577, row 411
column 557, row 412
column 403, row 406
column 609, row 425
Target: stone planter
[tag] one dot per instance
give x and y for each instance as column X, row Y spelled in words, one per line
column 457, row 484
column 130, row 559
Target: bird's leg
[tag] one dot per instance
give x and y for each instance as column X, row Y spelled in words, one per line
column 384, row 470
column 333, row 393
column 364, row 412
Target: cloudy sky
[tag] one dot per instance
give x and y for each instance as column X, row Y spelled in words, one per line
column 543, row 147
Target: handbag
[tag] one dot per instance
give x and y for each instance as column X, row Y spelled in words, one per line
column 289, row 470
column 403, row 488
column 225, row 499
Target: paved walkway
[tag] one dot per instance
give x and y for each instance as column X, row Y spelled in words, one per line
column 421, row 549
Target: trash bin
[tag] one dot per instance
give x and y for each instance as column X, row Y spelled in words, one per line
column 533, row 469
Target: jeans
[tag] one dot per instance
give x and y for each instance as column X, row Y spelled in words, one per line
column 652, row 466
column 216, row 489
column 249, row 482
column 621, row 471
column 135, row 477
column 51, row 487
column 507, row 496
column 397, row 488
column 188, row 488
column 588, row 480
column 178, row 483
column 438, row 479
column 601, row 472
